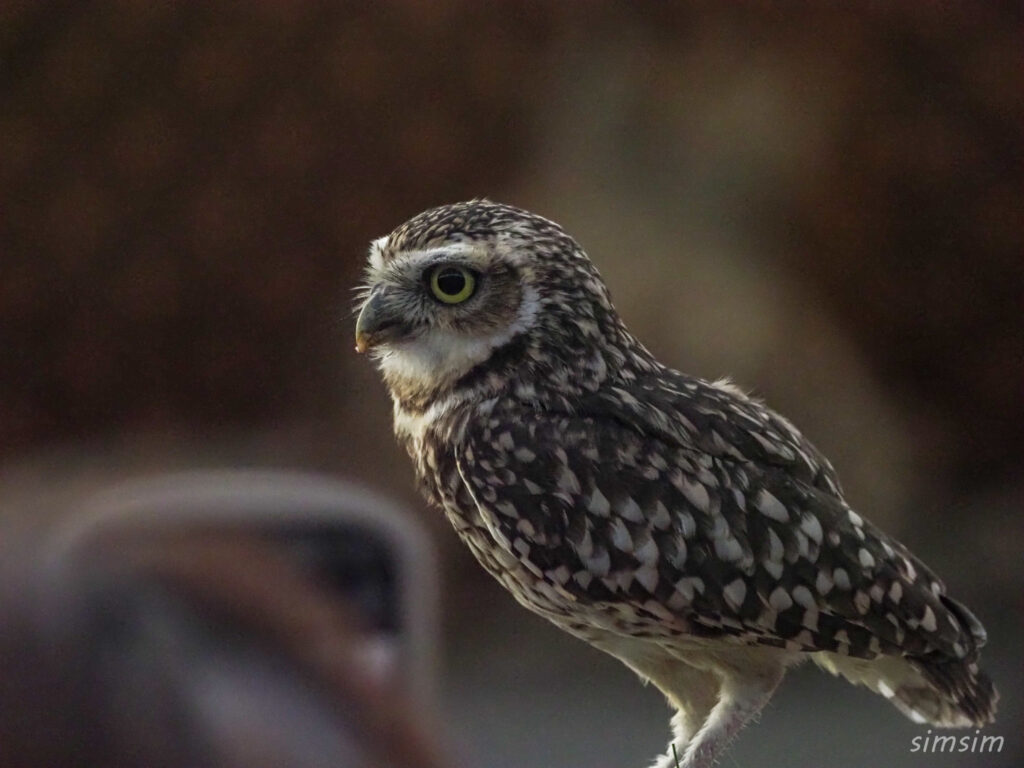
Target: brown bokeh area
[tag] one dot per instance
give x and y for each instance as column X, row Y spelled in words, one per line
column 187, row 189
column 825, row 206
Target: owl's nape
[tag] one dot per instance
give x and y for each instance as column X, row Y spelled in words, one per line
column 673, row 522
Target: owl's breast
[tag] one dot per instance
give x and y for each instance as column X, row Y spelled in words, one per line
column 437, row 469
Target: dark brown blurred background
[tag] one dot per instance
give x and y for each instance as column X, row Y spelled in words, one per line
column 825, row 204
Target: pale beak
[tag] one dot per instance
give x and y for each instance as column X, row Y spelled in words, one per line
column 377, row 323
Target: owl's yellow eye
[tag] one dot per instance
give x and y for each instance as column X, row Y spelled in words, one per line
column 452, row 285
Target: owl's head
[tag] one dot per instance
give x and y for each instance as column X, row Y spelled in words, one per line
column 477, row 291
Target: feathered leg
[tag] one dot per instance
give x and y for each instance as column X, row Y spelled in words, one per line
column 692, row 692
column 741, row 698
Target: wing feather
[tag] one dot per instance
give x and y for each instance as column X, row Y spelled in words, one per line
column 621, row 516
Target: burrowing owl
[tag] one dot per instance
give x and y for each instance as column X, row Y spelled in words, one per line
column 675, row 523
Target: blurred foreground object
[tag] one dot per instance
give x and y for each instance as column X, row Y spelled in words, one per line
column 176, row 626
column 358, row 545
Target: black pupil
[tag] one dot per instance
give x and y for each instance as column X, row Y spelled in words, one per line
column 451, row 282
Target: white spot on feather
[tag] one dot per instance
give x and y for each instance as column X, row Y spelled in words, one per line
column 647, row 575
column 896, row 592
column 687, row 585
column 861, row 602
column 693, row 491
column 598, row 504
column 928, row 621
column 734, row 593
column 567, row 481
column 911, row 570
column 560, row 574
column 620, row 537
column 631, row 511
column 661, row 518
column 728, row 549
column 810, row 525
column 780, row 600
column 599, row 563
column 769, row 506
column 524, row 455
column 867, row 561
column 841, row 578
column 811, row 619
column 586, row 546
column 687, row 525
column 803, row 596
column 648, row 553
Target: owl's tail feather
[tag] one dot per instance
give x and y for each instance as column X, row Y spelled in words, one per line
column 964, row 685
column 939, row 689
column 960, row 694
column 949, row 693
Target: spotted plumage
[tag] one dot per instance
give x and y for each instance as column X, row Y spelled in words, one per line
column 675, row 523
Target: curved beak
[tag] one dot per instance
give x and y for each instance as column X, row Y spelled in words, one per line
column 378, row 322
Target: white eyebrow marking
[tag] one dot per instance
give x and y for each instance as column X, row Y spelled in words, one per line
column 403, row 261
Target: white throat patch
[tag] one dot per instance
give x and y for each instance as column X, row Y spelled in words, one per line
column 441, row 356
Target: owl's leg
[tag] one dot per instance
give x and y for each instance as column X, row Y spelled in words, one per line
column 742, row 697
column 693, row 693
column 684, row 724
